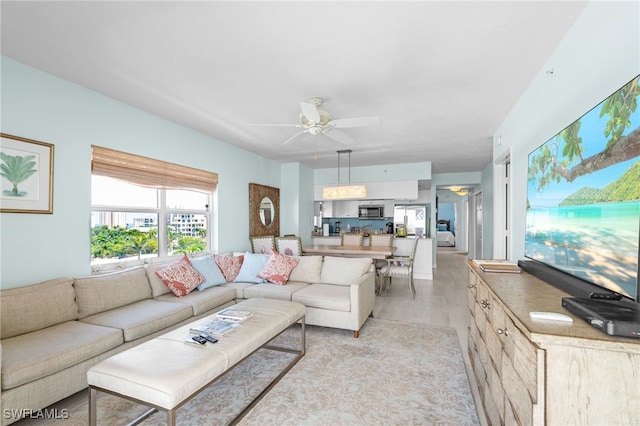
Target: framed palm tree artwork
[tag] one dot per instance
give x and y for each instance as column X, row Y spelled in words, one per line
column 26, row 175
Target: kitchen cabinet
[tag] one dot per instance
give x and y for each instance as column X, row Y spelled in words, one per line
column 532, row 372
column 371, row 202
column 389, row 206
column 327, row 209
column 347, row 208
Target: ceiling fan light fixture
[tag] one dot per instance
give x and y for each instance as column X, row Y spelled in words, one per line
column 315, row 129
column 344, row 192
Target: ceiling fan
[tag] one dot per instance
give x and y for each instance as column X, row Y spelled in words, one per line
column 316, row 121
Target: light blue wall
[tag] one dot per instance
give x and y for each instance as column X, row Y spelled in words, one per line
column 36, row 105
column 447, row 210
column 296, row 201
column 599, row 55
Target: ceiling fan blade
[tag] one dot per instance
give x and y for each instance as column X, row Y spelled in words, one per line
column 339, row 136
column 294, row 136
column 310, row 112
column 344, row 123
column 277, row 125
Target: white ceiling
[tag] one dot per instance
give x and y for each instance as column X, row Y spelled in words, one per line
column 440, row 75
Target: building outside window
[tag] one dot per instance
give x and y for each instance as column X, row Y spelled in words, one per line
column 132, row 222
column 143, row 208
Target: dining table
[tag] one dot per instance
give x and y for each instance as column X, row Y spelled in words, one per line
column 350, row 251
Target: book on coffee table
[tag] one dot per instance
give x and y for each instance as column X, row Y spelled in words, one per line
column 233, row 315
column 214, row 328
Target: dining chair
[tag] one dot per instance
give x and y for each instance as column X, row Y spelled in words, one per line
column 351, row 239
column 263, row 244
column 380, row 240
column 289, row 246
column 400, row 266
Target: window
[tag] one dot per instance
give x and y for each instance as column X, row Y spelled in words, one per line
column 147, row 208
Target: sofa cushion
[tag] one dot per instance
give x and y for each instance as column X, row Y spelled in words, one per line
column 229, row 265
column 158, row 287
column 37, row 306
column 344, row 270
column 252, row 264
column 67, row 344
column 278, row 268
column 210, row 270
column 325, row 296
column 100, row 293
column 142, row 318
column 273, row 291
column 239, row 288
column 180, row 276
column 307, row 270
column 203, row 301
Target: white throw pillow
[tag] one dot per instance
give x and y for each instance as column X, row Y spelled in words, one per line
column 344, row 270
column 307, row 270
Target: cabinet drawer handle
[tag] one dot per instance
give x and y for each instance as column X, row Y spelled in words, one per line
column 502, row 331
column 485, row 304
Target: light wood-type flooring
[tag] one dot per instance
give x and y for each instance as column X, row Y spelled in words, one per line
column 441, row 301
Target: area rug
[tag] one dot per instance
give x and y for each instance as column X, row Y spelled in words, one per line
column 395, row 373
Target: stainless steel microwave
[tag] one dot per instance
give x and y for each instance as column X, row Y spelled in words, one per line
column 371, row 212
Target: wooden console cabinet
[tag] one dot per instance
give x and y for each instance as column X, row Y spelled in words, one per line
column 541, row 372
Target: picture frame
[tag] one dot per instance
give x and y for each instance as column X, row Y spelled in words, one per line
column 26, row 175
column 264, row 210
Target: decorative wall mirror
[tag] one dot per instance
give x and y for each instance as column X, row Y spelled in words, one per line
column 264, row 210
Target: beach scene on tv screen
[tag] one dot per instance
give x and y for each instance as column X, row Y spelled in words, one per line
column 583, row 195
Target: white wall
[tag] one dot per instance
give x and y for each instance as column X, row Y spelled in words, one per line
column 36, row 105
column 380, row 173
column 599, row 55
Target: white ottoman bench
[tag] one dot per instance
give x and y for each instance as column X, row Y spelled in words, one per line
column 165, row 372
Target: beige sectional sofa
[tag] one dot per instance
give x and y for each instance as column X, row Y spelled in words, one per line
column 53, row 332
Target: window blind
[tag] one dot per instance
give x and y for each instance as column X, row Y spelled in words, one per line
column 150, row 172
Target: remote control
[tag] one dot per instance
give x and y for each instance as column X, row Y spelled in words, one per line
column 550, row 316
column 606, row 296
column 208, row 338
column 199, row 339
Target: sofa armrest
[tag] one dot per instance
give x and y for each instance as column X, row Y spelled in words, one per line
column 363, row 296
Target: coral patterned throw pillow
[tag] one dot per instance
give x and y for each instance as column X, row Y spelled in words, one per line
column 230, row 266
column 180, row 277
column 278, row 268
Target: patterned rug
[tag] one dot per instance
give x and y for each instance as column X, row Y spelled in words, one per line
column 395, row 373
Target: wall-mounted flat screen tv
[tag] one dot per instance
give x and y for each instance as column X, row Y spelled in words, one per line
column 583, row 196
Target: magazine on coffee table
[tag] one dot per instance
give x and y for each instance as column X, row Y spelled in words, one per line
column 214, row 328
column 233, row 315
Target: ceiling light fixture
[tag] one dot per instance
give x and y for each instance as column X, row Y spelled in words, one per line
column 342, row 192
column 462, row 192
column 455, row 188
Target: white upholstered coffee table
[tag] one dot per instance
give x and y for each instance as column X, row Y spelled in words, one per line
column 165, row 372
